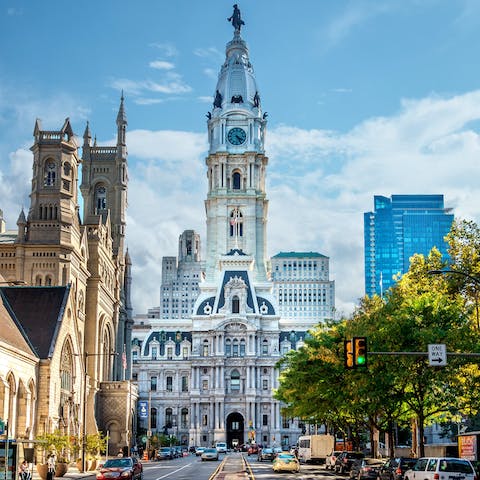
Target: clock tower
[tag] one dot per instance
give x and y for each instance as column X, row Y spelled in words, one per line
column 236, row 204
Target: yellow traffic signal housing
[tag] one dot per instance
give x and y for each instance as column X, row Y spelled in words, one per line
column 348, row 354
column 360, row 351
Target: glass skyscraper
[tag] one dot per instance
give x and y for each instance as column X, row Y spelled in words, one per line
column 399, row 227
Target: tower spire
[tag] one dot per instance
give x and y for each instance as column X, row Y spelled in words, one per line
column 121, row 123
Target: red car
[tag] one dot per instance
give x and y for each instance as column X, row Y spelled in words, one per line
column 252, row 449
column 126, row 468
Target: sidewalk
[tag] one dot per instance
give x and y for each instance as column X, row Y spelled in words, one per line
column 72, row 474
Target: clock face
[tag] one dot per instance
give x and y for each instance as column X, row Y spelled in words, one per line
column 236, row 136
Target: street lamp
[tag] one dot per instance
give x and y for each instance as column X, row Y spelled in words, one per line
column 475, row 280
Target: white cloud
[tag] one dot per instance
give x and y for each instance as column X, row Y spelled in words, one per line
column 161, row 65
column 172, row 83
column 167, row 49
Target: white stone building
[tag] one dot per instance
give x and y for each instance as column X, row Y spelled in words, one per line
column 210, row 377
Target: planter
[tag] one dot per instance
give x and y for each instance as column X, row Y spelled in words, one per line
column 91, row 465
column 79, row 466
column 42, row 469
column 61, row 469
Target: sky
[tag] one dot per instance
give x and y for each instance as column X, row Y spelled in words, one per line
column 363, row 97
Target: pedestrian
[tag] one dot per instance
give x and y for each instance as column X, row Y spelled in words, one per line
column 24, row 471
column 51, row 467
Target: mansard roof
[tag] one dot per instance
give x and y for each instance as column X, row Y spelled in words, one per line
column 39, row 311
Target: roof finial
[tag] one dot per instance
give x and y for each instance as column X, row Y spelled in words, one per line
column 236, row 19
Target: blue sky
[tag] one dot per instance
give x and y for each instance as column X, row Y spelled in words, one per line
column 363, row 97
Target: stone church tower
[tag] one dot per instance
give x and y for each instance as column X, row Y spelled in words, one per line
column 53, row 248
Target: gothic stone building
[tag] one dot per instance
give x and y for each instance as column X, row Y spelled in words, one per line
column 65, row 293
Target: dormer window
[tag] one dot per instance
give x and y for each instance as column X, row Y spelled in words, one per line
column 236, row 223
column 235, row 304
column 236, row 180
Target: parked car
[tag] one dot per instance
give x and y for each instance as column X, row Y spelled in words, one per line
column 126, row 468
column 210, row 454
column 365, row 468
column 395, row 468
column 165, row 453
column 199, row 451
column 192, row 449
column 344, row 461
column 441, row 468
column 330, row 459
column 286, row 462
column 266, row 454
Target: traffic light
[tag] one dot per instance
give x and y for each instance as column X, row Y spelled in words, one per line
column 348, row 353
column 360, row 352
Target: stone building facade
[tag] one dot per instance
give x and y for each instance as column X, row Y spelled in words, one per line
column 77, row 342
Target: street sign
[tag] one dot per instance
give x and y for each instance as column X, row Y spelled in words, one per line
column 2, row 427
column 437, row 354
column 143, row 409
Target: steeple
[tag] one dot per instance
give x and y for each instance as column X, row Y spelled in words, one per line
column 236, row 202
column 121, row 124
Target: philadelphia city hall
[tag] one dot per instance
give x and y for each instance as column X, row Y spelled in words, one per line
column 205, row 359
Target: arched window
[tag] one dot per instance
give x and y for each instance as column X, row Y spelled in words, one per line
column 48, row 280
column 235, row 304
column 38, row 281
column 236, row 180
column 242, row 348
column 236, row 223
column 265, row 347
column 235, row 348
column 228, row 347
column 184, row 418
column 205, row 348
column 235, row 381
column 100, row 198
column 50, row 173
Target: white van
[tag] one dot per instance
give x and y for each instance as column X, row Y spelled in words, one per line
column 221, row 447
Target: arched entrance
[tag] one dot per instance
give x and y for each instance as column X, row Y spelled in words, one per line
column 235, row 430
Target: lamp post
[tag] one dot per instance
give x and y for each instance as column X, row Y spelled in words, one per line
column 475, row 281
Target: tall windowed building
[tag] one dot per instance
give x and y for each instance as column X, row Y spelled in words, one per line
column 301, row 284
column 398, row 228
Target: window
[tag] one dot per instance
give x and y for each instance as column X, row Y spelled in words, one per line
column 153, row 418
column 265, row 347
column 205, row 384
column 169, row 353
column 184, row 418
column 265, row 384
column 242, row 348
column 169, row 385
column 235, row 348
column 184, row 384
column 236, row 223
column 235, row 381
column 228, row 348
column 168, row 417
column 153, row 384
column 235, row 304
column 205, row 348
column 154, row 353
column 100, row 198
column 50, row 174
column 264, row 420
column 205, row 420
column 236, row 180
column 285, row 423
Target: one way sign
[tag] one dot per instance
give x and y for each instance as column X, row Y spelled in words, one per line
column 437, row 354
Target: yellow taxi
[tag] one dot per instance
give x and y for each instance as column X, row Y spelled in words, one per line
column 286, row 462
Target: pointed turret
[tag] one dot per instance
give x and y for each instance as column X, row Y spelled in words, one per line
column 87, row 136
column 121, row 123
column 21, row 224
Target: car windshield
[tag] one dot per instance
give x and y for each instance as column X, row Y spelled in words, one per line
column 210, row 450
column 285, row 456
column 118, row 462
column 267, row 450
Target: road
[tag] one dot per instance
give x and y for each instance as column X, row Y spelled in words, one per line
column 192, row 468
column 186, row 468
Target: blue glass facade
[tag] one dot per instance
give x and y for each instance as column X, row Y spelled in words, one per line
column 399, row 227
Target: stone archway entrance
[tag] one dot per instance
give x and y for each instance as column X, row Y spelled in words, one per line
column 235, row 430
